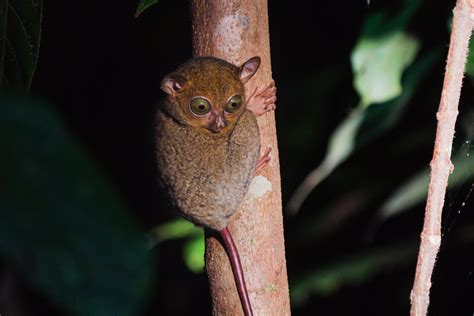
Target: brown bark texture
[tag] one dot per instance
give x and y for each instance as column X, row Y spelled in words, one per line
column 441, row 165
column 237, row 30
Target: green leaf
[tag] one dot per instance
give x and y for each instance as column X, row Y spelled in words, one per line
column 470, row 60
column 382, row 23
column 193, row 250
column 378, row 61
column 415, row 190
column 378, row 64
column 382, row 53
column 348, row 271
column 20, row 32
column 62, row 225
column 193, row 253
column 361, row 127
column 178, row 228
column 143, row 5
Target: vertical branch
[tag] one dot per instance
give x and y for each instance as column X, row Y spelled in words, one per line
column 441, row 165
column 236, row 31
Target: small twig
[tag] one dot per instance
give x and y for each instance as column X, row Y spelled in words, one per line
column 441, row 166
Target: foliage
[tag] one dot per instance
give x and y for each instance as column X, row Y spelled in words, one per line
column 62, row 225
column 470, row 60
column 379, row 58
column 378, row 65
column 415, row 189
column 143, row 5
column 366, row 204
column 20, row 30
column 193, row 253
column 354, row 270
column 193, row 249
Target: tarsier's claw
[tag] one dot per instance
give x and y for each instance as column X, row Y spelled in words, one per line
column 263, row 99
column 263, row 161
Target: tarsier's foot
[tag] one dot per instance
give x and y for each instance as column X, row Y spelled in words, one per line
column 263, row 99
column 263, row 161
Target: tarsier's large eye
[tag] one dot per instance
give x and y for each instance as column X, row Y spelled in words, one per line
column 200, row 106
column 234, row 104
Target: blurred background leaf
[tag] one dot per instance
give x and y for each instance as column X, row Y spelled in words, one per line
column 20, row 31
column 378, row 64
column 193, row 253
column 62, row 225
column 384, row 22
column 361, row 127
column 415, row 189
column 349, row 272
column 470, row 60
column 470, row 57
column 177, row 228
column 143, row 5
column 193, row 248
column 379, row 59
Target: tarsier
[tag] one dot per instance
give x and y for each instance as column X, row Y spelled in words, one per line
column 208, row 144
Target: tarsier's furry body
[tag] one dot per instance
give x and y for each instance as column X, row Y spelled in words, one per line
column 208, row 141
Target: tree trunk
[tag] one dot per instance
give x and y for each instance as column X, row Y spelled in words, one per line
column 236, row 31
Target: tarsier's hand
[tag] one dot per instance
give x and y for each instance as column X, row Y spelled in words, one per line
column 263, row 99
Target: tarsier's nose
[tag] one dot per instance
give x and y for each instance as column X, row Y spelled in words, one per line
column 219, row 123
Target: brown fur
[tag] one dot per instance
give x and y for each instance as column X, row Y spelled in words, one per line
column 206, row 173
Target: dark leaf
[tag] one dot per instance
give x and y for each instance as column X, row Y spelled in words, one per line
column 61, row 224
column 361, row 127
column 20, row 31
column 193, row 251
column 415, row 189
column 349, row 271
column 143, row 5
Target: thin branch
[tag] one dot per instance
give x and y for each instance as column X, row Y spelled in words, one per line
column 441, row 165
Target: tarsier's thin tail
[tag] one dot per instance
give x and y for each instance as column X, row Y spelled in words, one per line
column 237, row 270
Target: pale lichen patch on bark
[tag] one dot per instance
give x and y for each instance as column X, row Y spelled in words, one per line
column 260, row 186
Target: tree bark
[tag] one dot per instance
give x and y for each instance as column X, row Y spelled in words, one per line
column 441, row 165
column 236, row 31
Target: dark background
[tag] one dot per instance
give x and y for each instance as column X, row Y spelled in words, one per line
column 101, row 68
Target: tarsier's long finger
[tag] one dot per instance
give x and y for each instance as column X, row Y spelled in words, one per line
column 270, row 107
column 270, row 87
column 263, row 161
column 261, row 165
column 262, row 99
column 261, row 91
column 268, row 95
column 267, row 152
column 266, row 90
column 271, row 100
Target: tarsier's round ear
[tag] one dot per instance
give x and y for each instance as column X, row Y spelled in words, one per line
column 249, row 68
column 173, row 83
